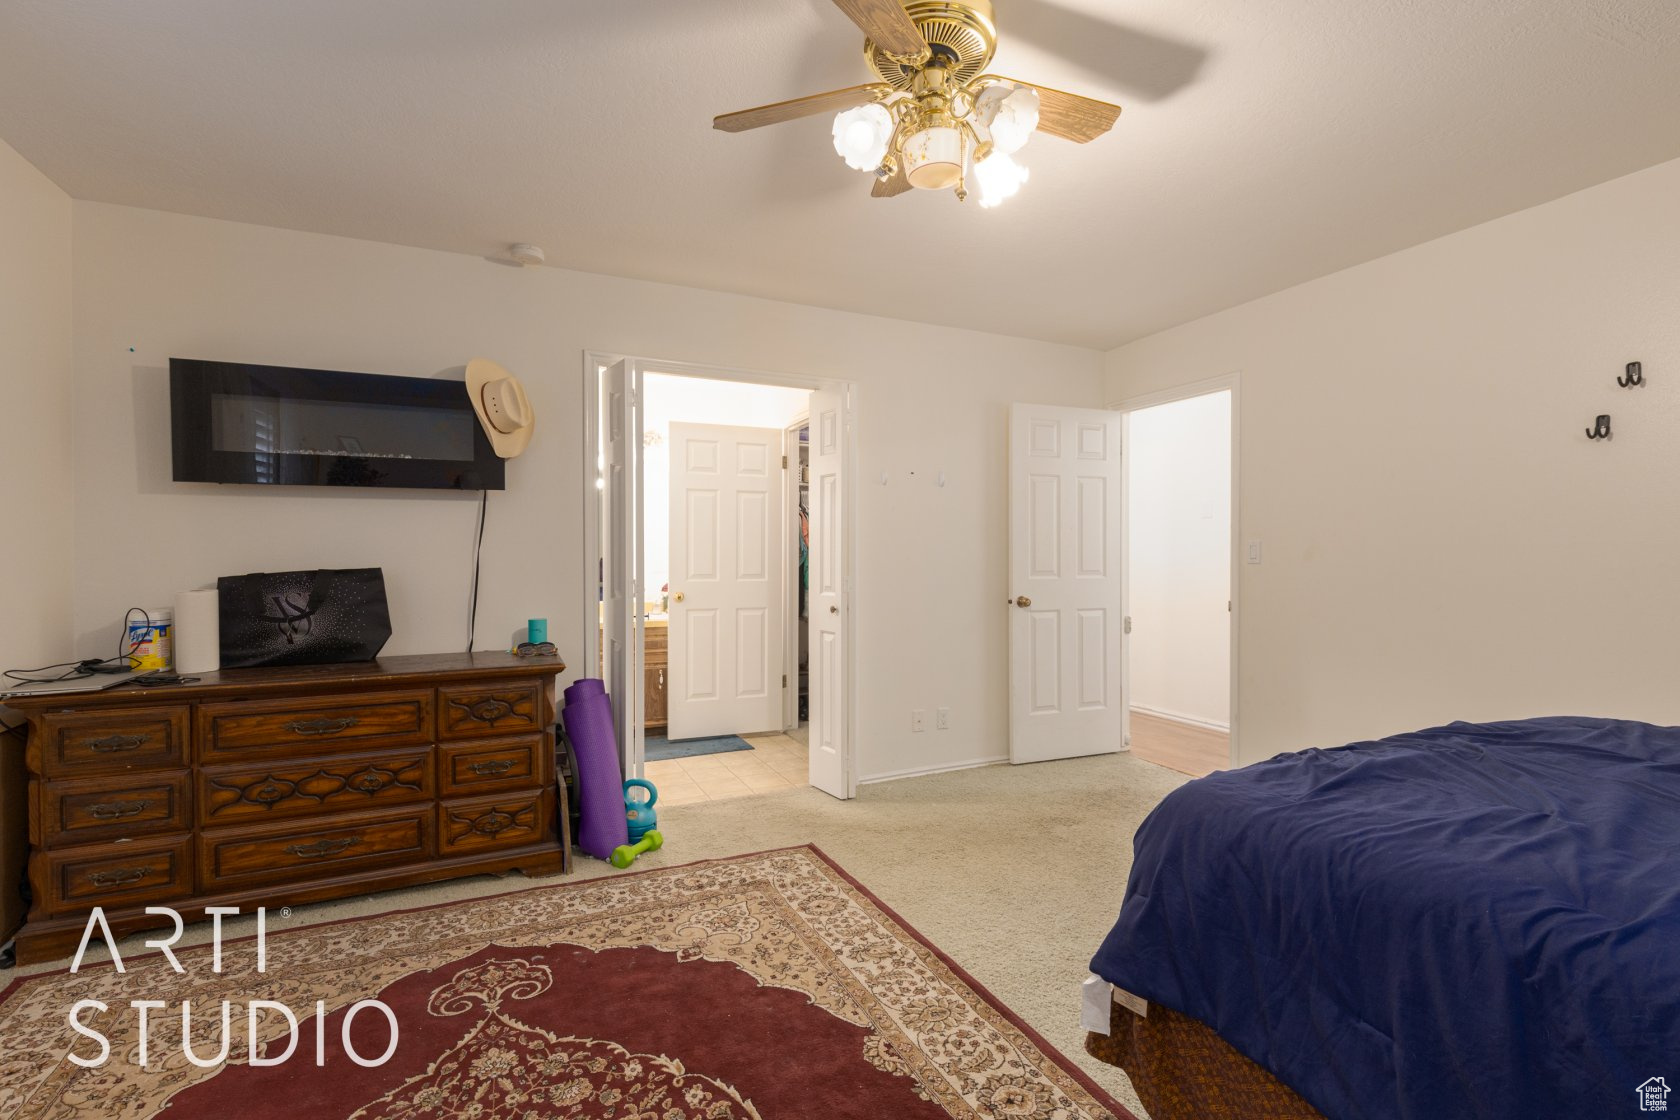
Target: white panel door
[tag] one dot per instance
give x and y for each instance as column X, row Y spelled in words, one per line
column 1064, row 583
column 825, row 600
column 621, row 615
column 728, row 597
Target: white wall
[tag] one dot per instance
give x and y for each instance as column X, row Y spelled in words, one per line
column 1441, row 541
column 149, row 286
column 1178, row 559
column 693, row 400
column 35, row 440
column 35, row 458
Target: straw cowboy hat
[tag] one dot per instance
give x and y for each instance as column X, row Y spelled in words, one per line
column 502, row 407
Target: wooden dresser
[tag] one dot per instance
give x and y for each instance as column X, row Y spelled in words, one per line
column 269, row 787
column 655, row 660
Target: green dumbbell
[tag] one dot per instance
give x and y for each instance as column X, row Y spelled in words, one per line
column 625, row 854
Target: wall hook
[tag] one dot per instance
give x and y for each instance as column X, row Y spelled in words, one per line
column 1635, row 376
column 1600, row 429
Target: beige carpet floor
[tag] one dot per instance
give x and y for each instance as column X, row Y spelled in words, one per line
column 1016, row 872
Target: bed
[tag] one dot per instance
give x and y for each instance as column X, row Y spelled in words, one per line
column 1477, row 920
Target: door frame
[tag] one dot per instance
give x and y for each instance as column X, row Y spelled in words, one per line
column 595, row 362
column 1231, row 382
column 794, row 625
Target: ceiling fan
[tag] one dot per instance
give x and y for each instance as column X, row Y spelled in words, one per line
column 936, row 120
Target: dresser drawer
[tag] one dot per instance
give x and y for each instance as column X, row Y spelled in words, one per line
column 471, row 711
column 111, row 742
column 79, row 812
column 230, row 860
column 493, row 764
column 486, row 823
column 115, row 874
column 244, row 794
column 655, row 640
column 239, row 729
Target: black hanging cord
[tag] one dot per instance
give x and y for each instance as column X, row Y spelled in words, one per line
column 478, row 550
column 123, row 662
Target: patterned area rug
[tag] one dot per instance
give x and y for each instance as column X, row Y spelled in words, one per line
column 762, row 987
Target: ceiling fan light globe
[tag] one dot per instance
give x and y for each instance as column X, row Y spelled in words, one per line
column 998, row 177
column 861, row 136
column 1017, row 116
column 933, row 158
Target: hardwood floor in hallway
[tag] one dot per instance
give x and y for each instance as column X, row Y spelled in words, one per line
column 1196, row 751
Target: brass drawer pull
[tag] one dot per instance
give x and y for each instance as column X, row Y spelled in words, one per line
column 322, row 847
column 488, row 710
column 121, row 877
column 322, row 726
column 493, row 822
column 117, row 743
column 117, row 810
column 493, row 766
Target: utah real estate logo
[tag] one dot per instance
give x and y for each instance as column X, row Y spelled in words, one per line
column 1653, row 1095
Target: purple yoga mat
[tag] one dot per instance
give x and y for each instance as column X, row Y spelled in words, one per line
column 588, row 686
column 602, row 825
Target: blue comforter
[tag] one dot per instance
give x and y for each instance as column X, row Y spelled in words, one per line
column 1479, row 920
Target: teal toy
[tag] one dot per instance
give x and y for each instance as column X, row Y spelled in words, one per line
column 637, row 813
column 625, row 854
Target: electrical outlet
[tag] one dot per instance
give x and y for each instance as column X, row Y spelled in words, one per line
column 918, row 720
column 942, row 719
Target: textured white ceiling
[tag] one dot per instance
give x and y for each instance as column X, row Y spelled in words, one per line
column 1263, row 143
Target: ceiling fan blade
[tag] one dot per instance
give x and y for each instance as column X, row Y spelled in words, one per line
column 1067, row 115
column 887, row 25
column 798, row 107
column 895, row 184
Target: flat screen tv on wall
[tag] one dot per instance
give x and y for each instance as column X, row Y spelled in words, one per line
column 232, row 422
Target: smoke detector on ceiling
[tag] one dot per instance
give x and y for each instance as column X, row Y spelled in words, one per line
column 526, row 254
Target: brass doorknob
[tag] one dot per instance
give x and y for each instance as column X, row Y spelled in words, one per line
column 1022, row 601
column 833, row 610
column 677, row 597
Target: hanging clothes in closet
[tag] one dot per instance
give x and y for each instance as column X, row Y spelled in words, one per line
column 804, row 558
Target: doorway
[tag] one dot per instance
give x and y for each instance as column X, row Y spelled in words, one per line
column 1180, row 587
column 719, row 554
column 717, row 533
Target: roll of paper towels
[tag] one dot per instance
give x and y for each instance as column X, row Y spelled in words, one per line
column 198, row 631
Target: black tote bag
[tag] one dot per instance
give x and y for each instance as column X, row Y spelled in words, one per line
column 303, row 618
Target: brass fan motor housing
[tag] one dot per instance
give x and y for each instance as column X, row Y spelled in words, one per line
column 961, row 37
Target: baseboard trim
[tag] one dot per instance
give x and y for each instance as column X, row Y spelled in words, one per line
column 1176, row 717
column 923, row 771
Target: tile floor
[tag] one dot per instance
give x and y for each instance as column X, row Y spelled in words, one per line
column 776, row 763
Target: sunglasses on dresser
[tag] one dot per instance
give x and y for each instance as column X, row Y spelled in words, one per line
column 537, row 649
